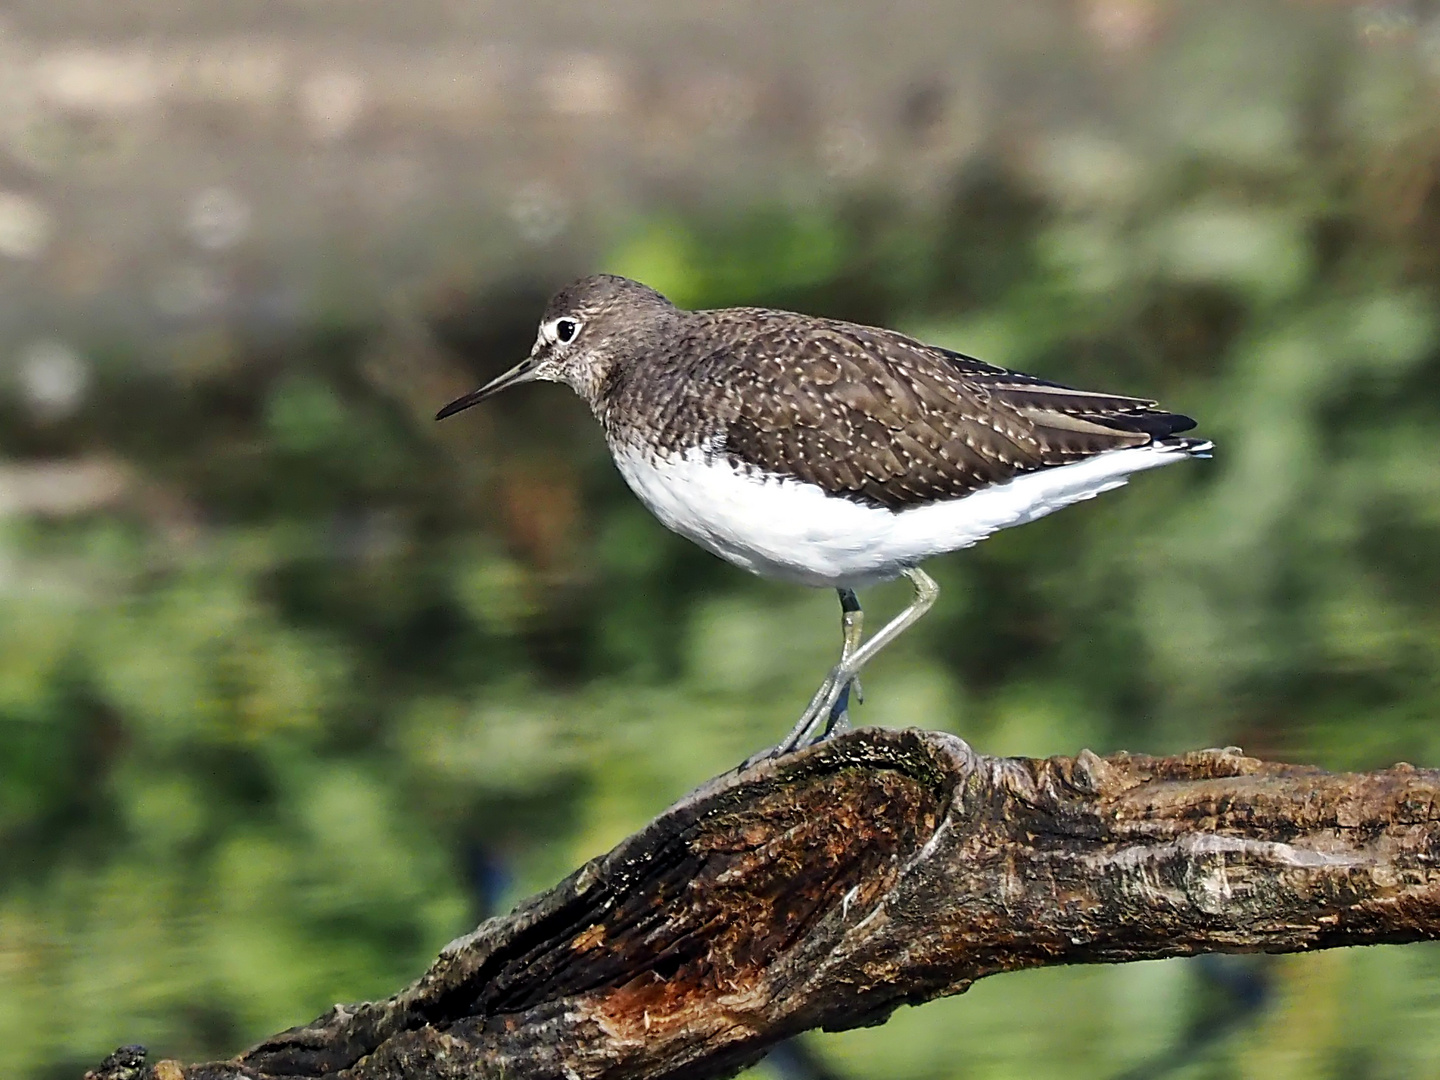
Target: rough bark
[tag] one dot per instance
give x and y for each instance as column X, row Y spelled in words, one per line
column 881, row 869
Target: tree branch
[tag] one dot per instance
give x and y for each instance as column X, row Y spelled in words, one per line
column 880, row 869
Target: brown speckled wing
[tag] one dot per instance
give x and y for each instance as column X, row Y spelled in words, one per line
column 885, row 420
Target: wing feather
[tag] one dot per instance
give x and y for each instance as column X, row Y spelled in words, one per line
column 874, row 415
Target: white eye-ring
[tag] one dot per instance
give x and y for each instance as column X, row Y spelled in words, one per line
column 562, row 330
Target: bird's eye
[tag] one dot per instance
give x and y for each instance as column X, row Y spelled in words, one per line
column 565, row 330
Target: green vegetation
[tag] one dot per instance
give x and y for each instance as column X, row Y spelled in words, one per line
column 262, row 720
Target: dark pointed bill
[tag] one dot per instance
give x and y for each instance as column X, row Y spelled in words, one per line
column 521, row 373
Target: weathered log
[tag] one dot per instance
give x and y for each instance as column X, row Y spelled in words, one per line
column 882, row 868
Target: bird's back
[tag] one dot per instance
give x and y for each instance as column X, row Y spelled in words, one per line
column 861, row 412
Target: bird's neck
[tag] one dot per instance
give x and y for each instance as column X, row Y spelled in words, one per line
column 636, row 374
column 643, row 402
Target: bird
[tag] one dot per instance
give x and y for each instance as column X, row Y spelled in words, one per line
column 828, row 453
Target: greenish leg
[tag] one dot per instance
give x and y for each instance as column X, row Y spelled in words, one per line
column 851, row 628
column 837, row 684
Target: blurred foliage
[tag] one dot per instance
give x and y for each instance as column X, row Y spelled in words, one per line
column 328, row 683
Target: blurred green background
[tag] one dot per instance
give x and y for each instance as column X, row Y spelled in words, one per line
column 296, row 685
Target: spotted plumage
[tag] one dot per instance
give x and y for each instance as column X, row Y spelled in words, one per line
column 825, row 452
column 863, row 413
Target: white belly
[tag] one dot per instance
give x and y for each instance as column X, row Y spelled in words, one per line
column 782, row 528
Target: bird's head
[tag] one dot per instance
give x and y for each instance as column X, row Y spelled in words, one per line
column 588, row 327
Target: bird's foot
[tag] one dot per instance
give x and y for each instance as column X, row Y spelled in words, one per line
column 832, row 703
column 829, row 704
column 838, row 721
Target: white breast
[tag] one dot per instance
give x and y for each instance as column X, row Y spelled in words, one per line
column 782, row 528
